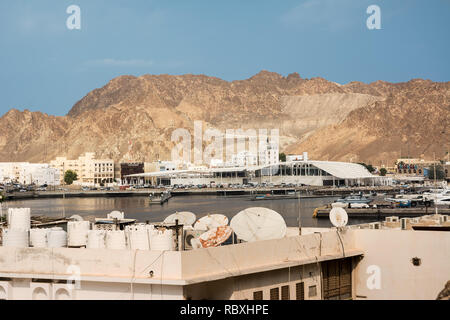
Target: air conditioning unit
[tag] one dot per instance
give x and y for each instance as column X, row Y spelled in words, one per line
column 375, row 225
column 5, row 290
column 391, row 219
column 188, row 236
column 443, row 218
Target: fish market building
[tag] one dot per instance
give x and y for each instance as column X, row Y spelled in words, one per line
column 311, row 173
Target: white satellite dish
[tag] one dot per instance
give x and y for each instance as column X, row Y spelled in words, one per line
column 76, row 217
column 115, row 215
column 338, row 217
column 212, row 238
column 184, row 218
column 211, row 221
column 257, row 223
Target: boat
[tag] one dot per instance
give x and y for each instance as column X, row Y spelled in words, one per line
column 445, row 200
column 268, row 196
column 354, row 199
column 161, row 198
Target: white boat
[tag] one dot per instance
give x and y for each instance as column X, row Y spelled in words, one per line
column 443, row 201
column 437, row 194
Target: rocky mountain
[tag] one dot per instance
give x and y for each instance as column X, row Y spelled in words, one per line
column 132, row 118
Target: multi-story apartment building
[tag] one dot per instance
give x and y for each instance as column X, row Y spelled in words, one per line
column 90, row 171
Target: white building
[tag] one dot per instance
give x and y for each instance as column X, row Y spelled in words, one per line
column 39, row 174
column 268, row 153
column 352, row 263
column 244, row 159
column 297, row 157
column 29, row 173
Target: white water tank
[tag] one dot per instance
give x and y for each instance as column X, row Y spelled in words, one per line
column 137, row 237
column 15, row 238
column 305, row 156
column 38, row 238
column 162, row 240
column 96, row 239
column 19, row 218
column 78, row 233
column 56, row 238
column 115, row 239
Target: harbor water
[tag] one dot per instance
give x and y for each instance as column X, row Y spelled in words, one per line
column 140, row 208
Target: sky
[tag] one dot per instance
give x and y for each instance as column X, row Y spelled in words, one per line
column 47, row 67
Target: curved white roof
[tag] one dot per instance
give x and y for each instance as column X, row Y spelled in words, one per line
column 343, row 170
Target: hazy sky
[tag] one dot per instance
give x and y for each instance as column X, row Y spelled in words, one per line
column 47, row 67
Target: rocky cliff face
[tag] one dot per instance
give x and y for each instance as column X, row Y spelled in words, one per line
column 132, row 118
column 413, row 119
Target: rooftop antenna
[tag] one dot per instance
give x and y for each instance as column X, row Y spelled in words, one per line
column 299, row 222
column 434, row 173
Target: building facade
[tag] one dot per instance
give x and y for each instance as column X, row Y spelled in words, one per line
column 90, row 171
column 128, row 168
column 29, row 173
column 418, row 167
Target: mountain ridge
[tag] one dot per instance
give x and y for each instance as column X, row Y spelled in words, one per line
column 146, row 109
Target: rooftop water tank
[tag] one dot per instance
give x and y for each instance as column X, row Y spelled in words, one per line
column 19, row 218
column 38, row 238
column 78, row 233
column 162, row 240
column 137, row 237
column 96, row 239
column 15, row 238
column 56, row 238
column 115, row 239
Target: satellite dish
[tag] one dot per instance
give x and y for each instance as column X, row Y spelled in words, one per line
column 338, row 217
column 257, row 223
column 195, row 243
column 211, row 221
column 76, row 217
column 115, row 215
column 184, row 218
column 212, row 238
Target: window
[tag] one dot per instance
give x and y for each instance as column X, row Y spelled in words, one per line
column 285, row 293
column 300, row 291
column 275, row 294
column 258, row 295
column 337, row 279
column 312, row 292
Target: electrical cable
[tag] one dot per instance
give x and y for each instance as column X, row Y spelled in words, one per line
column 342, row 244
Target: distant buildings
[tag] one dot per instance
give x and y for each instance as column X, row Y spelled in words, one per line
column 314, row 173
column 90, row 171
column 29, row 173
column 414, row 166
